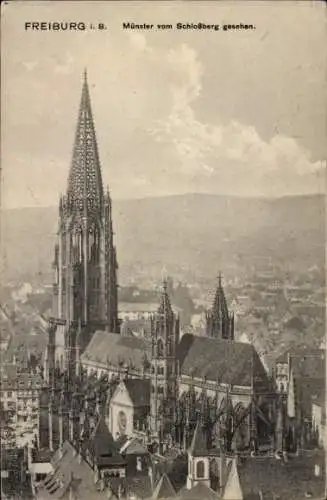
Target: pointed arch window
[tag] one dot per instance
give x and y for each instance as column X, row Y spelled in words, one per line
column 160, row 347
column 200, row 469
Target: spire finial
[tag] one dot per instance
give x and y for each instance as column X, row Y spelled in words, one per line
column 219, row 279
column 164, row 277
column 85, row 75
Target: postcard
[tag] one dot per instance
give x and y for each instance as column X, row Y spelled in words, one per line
column 162, row 302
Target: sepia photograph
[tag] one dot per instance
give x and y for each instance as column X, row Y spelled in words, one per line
column 162, row 258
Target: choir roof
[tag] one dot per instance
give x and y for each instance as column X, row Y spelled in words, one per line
column 113, row 349
column 220, row 360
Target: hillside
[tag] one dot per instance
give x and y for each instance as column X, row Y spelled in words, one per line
column 192, row 235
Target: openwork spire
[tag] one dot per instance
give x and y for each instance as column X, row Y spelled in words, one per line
column 164, row 305
column 85, row 189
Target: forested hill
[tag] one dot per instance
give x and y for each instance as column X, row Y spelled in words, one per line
column 195, row 233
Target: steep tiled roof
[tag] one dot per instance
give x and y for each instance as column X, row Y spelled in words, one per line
column 198, row 445
column 67, row 467
column 139, row 391
column 113, row 348
column 229, row 362
column 164, row 489
column 102, row 445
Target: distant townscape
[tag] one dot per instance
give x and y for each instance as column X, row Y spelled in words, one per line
column 161, row 348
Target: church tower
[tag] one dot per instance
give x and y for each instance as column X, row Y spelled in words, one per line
column 165, row 338
column 198, row 460
column 219, row 322
column 85, row 263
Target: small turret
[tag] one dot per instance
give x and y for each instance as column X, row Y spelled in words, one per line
column 219, row 322
column 198, row 459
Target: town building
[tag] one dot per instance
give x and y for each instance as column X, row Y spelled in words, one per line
column 15, row 481
column 306, row 363
column 300, row 379
column 19, row 393
column 318, row 418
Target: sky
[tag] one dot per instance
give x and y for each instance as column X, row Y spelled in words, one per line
column 224, row 112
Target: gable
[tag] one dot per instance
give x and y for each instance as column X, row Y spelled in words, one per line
column 121, row 397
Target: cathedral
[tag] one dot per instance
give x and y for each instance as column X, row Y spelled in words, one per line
column 85, row 263
column 159, row 388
